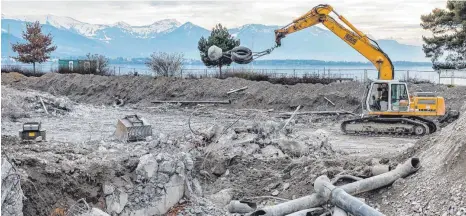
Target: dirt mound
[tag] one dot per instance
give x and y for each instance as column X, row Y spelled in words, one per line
column 22, row 103
column 104, row 89
column 438, row 188
column 12, row 77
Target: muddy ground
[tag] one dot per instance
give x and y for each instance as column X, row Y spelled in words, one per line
column 81, row 154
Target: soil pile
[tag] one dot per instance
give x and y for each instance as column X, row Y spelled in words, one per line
column 439, row 187
column 104, row 89
column 261, row 95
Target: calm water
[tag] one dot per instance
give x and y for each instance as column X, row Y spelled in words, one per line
column 346, row 71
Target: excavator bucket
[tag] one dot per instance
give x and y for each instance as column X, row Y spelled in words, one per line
column 132, row 128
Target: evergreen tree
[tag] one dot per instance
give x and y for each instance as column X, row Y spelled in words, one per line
column 219, row 37
column 447, row 46
column 37, row 48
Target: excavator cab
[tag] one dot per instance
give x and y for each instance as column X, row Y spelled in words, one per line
column 388, row 96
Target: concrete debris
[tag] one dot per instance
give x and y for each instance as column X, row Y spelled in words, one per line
column 168, row 167
column 95, row 212
column 222, row 198
column 163, row 187
column 241, row 207
column 286, row 186
column 117, row 201
column 108, row 188
column 12, row 194
column 147, row 167
column 271, row 151
column 240, row 151
column 293, row 147
column 219, row 169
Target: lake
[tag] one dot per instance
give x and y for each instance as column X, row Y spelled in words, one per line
column 346, row 71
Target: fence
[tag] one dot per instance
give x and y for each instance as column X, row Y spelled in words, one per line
column 454, row 77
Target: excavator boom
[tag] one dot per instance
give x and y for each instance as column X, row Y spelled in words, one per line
column 355, row 38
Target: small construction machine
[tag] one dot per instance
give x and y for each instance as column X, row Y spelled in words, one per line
column 388, row 106
column 132, row 128
column 32, row 131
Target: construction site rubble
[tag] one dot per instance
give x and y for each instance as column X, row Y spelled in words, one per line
column 241, row 158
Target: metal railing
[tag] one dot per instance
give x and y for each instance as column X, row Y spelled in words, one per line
column 356, row 74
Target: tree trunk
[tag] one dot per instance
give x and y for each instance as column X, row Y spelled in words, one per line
column 220, row 67
column 34, row 67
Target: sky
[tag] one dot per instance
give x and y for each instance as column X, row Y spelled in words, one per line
column 382, row 19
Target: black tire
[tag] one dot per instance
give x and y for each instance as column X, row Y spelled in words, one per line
column 241, row 55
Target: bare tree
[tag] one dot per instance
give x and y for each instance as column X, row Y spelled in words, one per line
column 101, row 63
column 37, row 48
column 165, row 64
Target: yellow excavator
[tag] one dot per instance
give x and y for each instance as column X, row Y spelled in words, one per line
column 388, row 108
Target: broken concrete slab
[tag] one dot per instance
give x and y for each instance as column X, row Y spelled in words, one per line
column 147, row 166
column 117, row 201
column 174, row 191
column 167, row 167
column 222, row 198
column 108, row 188
column 271, row 151
column 95, row 212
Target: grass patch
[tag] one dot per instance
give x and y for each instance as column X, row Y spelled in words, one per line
column 277, row 78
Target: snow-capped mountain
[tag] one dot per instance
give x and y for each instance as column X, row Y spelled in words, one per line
column 68, row 23
column 95, row 30
column 74, row 38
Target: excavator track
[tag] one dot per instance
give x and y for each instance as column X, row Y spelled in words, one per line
column 397, row 126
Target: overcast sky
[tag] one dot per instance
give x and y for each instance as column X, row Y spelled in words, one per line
column 395, row 19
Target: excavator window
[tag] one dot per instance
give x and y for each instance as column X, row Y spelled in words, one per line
column 399, row 94
column 379, row 97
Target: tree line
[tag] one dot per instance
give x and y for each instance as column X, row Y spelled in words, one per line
column 446, row 46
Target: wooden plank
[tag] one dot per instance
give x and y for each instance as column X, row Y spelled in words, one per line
column 319, row 113
column 195, row 102
column 237, row 90
column 42, row 102
column 292, row 116
column 329, row 101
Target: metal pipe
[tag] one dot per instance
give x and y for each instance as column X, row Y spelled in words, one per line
column 305, row 212
column 237, row 206
column 340, row 198
column 368, row 184
column 379, row 169
column 339, row 212
column 315, row 200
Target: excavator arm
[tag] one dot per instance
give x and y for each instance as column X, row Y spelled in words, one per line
column 355, row 38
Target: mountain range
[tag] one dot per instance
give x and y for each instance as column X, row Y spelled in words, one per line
column 76, row 38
